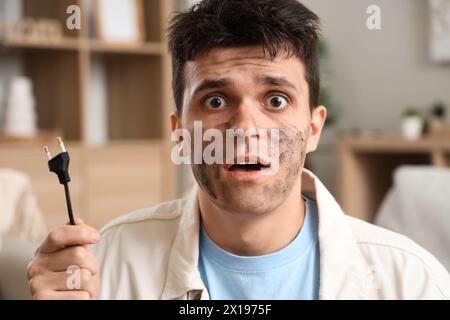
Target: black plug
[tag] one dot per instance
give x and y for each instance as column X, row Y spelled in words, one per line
column 60, row 166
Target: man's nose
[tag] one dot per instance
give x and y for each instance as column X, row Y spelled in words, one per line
column 244, row 118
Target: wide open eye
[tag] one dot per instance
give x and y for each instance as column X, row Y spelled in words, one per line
column 277, row 102
column 215, row 102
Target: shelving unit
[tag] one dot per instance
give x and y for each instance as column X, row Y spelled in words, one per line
column 139, row 101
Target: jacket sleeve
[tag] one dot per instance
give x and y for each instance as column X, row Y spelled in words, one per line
column 407, row 272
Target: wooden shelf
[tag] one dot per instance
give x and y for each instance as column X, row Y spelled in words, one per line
column 395, row 144
column 138, row 101
column 39, row 139
column 367, row 165
column 96, row 46
column 61, row 44
column 149, row 48
column 137, row 75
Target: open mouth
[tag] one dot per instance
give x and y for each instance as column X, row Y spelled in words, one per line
column 256, row 166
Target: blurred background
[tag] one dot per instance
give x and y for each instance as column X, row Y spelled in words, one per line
column 97, row 73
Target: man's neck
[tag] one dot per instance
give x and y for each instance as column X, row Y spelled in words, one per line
column 254, row 235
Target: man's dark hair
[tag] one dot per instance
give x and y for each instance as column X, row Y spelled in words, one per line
column 274, row 25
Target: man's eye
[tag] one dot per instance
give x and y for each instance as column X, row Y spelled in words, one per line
column 277, row 102
column 215, row 102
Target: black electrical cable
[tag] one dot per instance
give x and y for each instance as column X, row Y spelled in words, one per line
column 69, row 204
column 60, row 166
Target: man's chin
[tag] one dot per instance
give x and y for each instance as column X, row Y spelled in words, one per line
column 247, row 200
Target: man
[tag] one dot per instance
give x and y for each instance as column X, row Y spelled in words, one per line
column 243, row 232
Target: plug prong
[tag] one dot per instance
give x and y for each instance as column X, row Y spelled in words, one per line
column 61, row 144
column 47, row 152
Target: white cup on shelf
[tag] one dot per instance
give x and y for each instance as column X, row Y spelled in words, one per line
column 412, row 127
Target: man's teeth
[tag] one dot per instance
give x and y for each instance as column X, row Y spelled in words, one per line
column 246, row 163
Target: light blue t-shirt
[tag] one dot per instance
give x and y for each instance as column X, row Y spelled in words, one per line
column 291, row 273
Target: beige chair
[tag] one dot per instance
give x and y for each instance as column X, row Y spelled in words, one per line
column 14, row 258
column 22, row 227
column 20, row 217
column 418, row 206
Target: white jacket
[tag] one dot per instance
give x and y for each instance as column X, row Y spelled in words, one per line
column 153, row 254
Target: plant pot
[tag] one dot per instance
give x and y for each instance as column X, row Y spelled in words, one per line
column 412, row 127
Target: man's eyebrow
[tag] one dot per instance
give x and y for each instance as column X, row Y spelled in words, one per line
column 275, row 81
column 213, row 84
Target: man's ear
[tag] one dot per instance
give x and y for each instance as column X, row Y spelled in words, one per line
column 318, row 116
column 175, row 124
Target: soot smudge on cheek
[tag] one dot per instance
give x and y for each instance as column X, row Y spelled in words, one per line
column 201, row 173
column 292, row 154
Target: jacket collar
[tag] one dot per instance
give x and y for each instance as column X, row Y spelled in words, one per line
column 182, row 274
column 344, row 274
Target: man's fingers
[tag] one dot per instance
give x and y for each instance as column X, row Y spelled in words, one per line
column 62, row 295
column 79, row 256
column 64, row 267
column 74, row 280
column 65, row 236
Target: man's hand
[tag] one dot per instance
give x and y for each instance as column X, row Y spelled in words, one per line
column 64, row 267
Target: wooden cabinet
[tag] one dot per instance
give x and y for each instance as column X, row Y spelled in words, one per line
column 367, row 165
column 106, row 182
column 121, row 178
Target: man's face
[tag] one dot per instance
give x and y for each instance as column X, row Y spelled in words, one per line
column 240, row 88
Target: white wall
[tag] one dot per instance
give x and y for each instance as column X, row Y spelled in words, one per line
column 376, row 74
